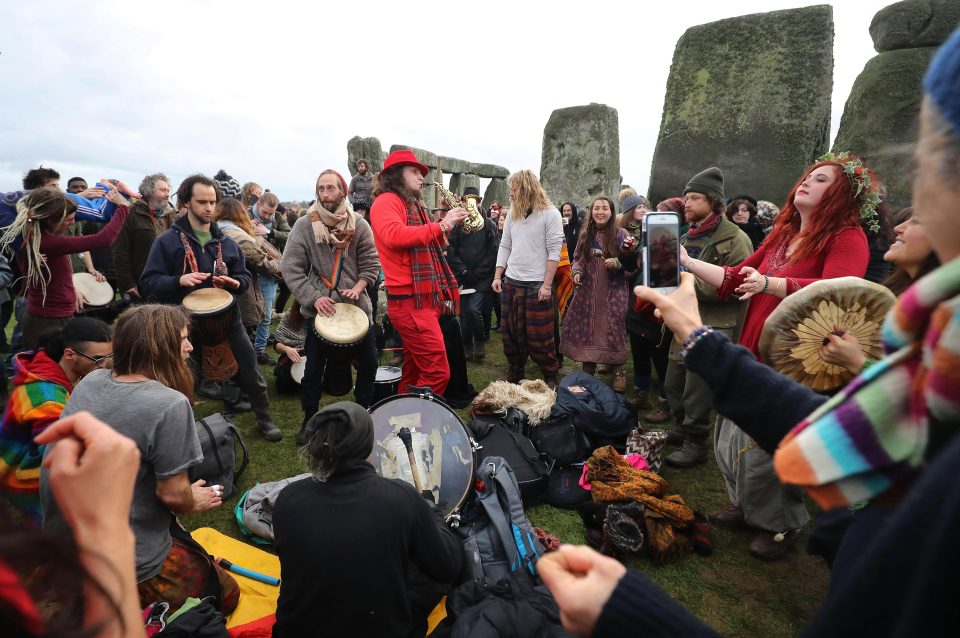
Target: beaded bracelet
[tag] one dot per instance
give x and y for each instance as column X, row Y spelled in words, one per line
column 694, row 339
column 766, row 284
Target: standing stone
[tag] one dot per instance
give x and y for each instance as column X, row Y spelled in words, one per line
column 488, row 170
column 497, row 191
column 914, row 24
column 581, row 153
column 459, row 181
column 367, row 148
column 880, row 119
column 750, row 95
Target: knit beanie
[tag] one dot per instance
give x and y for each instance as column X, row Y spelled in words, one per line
column 228, row 186
column 632, row 202
column 942, row 82
column 706, row 182
column 343, row 183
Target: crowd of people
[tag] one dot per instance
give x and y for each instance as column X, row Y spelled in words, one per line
column 95, row 408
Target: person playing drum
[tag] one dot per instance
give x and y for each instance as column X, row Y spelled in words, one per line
column 194, row 254
column 331, row 257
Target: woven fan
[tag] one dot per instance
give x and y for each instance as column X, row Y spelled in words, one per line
column 794, row 333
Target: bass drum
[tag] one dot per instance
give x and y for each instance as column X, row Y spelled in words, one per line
column 445, row 453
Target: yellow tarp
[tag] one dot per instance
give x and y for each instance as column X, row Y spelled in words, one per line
column 257, row 599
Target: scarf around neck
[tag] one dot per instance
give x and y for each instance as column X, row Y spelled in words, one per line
column 432, row 277
column 335, row 229
column 874, row 432
column 703, row 228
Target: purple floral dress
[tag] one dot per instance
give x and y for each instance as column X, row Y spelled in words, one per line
column 595, row 326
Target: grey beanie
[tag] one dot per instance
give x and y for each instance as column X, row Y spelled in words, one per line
column 706, row 182
column 631, row 202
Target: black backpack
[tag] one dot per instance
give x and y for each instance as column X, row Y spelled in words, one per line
column 560, row 440
column 497, row 438
column 218, row 439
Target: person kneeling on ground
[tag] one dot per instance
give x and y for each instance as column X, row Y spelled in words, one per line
column 346, row 539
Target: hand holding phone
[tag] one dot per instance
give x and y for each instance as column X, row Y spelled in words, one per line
column 661, row 251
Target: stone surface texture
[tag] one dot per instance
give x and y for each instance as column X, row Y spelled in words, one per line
column 368, row 148
column 751, row 95
column 581, row 153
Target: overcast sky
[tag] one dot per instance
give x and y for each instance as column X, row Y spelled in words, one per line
column 272, row 91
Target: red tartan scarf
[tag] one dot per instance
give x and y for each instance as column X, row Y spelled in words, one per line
column 432, row 277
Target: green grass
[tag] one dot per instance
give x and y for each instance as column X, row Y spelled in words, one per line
column 731, row 591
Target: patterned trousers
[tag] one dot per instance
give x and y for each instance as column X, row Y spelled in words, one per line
column 527, row 327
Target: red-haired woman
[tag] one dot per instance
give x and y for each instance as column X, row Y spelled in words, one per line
column 817, row 235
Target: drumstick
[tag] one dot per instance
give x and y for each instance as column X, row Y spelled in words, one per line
column 404, row 435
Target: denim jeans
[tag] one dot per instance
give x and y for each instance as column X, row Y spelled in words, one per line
column 268, row 287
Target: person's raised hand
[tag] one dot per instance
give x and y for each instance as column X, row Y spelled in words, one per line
column 92, row 471
column 223, row 281
column 350, row 293
column 843, row 351
column 325, row 306
column 113, row 195
column 191, row 279
column 456, row 215
column 581, row 581
column 94, row 192
column 753, row 283
column 679, row 309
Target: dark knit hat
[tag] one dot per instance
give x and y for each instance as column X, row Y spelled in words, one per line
column 632, row 201
column 746, row 197
column 228, row 186
column 706, row 182
column 471, row 190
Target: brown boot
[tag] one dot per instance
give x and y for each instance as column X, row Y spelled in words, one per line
column 619, row 379
column 589, row 367
column 730, row 517
column 479, row 351
column 773, row 546
column 660, row 413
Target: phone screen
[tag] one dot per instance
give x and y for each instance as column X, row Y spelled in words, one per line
column 662, row 252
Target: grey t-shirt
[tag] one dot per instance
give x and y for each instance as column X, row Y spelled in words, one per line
column 160, row 421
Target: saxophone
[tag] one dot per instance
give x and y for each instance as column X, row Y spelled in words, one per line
column 474, row 220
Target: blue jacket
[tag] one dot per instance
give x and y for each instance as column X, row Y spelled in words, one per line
column 160, row 281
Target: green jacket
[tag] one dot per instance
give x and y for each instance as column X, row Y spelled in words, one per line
column 728, row 247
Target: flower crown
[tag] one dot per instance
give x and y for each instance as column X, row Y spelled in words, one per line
column 866, row 191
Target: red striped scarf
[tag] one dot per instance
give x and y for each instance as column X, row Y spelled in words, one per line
column 432, row 277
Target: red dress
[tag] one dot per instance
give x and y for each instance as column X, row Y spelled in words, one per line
column 846, row 256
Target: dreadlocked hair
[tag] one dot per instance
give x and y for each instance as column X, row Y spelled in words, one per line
column 41, row 211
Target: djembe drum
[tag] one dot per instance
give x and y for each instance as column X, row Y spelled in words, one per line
column 213, row 311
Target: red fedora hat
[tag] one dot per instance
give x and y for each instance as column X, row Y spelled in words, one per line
column 404, row 158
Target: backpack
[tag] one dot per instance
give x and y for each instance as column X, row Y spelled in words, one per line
column 559, row 439
column 597, row 410
column 254, row 510
column 218, row 439
column 501, row 540
column 564, row 488
column 497, row 438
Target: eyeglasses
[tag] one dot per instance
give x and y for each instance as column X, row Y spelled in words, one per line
column 96, row 360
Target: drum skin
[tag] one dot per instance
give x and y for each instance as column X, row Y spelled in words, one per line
column 441, row 444
column 96, row 293
column 345, row 328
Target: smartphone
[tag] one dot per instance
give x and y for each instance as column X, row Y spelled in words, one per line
column 661, row 251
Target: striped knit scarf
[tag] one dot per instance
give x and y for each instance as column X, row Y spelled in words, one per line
column 432, row 277
column 874, row 432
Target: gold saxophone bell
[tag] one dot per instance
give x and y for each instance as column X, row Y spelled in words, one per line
column 474, row 220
